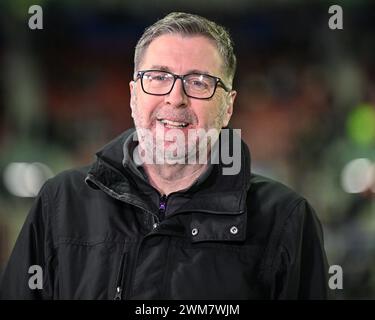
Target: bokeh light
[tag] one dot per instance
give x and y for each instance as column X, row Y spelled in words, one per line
column 358, row 176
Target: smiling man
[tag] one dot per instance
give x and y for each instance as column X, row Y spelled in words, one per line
column 177, row 87
column 171, row 227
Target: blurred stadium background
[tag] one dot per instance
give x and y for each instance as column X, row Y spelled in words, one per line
column 306, row 104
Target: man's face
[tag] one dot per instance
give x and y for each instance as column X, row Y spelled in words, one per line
column 181, row 55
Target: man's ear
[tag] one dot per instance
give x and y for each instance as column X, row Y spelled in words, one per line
column 229, row 100
column 132, row 87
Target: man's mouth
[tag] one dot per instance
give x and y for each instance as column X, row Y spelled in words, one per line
column 173, row 124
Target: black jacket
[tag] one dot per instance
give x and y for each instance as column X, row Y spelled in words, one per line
column 96, row 234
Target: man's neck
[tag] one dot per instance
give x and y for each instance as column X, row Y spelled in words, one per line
column 171, row 178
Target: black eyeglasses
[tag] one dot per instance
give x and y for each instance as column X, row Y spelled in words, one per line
column 195, row 85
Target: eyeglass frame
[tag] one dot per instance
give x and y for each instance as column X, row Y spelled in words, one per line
column 218, row 81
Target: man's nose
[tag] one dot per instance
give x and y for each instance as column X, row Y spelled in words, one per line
column 177, row 96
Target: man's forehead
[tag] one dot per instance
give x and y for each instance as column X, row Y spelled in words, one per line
column 196, row 52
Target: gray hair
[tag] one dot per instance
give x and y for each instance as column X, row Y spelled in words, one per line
column 190, row 24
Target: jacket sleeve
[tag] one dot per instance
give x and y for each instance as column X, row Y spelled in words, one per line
column 33, row 252
column 302, row 268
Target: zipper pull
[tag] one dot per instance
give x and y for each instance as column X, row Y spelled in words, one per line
column 162, row 206
column 118, row 293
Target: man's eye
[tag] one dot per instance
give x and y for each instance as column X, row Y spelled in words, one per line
column 199, row 84
column 159, row 77
column 156, row 76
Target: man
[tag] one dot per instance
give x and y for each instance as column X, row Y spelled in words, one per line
column 149, row 219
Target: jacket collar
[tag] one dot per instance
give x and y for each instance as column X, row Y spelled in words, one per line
column 218, row 194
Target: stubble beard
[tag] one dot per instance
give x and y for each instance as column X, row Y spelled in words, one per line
column 191, row 150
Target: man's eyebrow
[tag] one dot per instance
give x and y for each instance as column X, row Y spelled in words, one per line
column 165, row 68
column 160, row 67
column 198, row 71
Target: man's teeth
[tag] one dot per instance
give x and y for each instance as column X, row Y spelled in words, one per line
column 173, row 124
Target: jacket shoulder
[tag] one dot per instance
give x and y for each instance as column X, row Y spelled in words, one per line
column 269, row 194
column 72, row 181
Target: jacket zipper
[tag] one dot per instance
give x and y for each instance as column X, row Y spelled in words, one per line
column 120, row 292
column 120, row 276
column 161, row 213
column 156, row 221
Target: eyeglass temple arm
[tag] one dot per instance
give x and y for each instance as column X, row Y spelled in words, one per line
column 219, row 81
